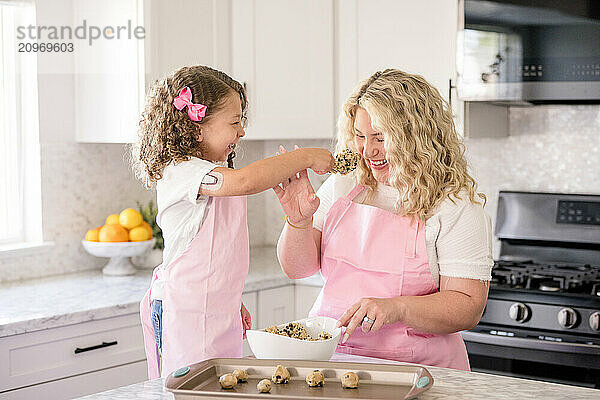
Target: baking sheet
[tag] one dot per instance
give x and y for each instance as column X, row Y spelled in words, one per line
column 377, row 381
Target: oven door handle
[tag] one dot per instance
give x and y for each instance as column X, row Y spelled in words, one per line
column 527, row 343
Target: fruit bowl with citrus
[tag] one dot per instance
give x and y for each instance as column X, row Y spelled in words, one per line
column 122, row 236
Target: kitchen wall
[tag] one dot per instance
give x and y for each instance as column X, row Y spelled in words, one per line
column 81, row 183
column 265, row 217
column 550, row 148
column 554, row 148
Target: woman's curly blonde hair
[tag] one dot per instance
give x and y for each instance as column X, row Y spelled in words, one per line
column 425, row 154
column 168, row 135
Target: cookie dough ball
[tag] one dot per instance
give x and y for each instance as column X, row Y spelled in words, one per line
column 281, row 375
column 315, row 378
column 350, row 380
column 264, row 386
column 324, row 335
column 345, row 162
column 272, row 329
column 241, row 375
column 227, row 381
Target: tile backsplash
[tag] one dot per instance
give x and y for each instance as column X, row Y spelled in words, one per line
column 81, row 185
column 550, row 148
column 265, row 217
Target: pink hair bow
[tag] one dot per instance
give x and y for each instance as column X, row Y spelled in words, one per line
column 195, row 111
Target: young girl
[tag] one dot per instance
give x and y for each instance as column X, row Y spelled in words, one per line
column 191, row 124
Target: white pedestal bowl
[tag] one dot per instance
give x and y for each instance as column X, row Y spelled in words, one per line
column 119, row 253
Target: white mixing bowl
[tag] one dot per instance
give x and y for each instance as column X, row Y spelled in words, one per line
column 272, row 346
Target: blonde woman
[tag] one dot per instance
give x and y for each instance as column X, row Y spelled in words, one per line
column 403, row 243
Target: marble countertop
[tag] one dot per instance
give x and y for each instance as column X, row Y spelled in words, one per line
column 448, row 384
column 61, row 300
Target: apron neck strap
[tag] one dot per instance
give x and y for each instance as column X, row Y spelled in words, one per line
column 355, row 192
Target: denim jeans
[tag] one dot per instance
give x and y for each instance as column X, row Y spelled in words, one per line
column 156, row 316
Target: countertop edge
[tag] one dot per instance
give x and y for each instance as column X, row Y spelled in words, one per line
column 254, row 282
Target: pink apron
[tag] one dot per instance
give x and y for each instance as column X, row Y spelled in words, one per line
column 202, row 295
column 370, row 252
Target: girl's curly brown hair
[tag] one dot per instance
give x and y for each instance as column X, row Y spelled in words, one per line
column 168, row 135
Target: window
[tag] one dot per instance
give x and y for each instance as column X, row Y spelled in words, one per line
column 20, row 192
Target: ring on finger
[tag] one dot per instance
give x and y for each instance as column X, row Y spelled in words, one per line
column 368, row 320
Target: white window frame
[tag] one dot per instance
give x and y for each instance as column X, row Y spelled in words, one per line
column 20, row 175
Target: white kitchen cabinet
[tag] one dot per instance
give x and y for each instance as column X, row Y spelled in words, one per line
column 186, row 32
column 275, row 306
column 82, row 385
column 112, row 76
column 283, row 51
column 305, row 297
column 416, row 37
column 109, row 73
column 71, row 359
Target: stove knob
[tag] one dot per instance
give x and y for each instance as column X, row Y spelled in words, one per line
column 595, row 321
column 567, row 317
column 519, row 312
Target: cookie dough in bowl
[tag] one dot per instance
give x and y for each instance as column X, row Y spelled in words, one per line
column 313, row 338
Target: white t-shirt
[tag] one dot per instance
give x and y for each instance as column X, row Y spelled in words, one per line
column 181, row 211
column 458, row 236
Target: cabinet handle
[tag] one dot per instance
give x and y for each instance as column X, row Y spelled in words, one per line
column 450, row 87
column 98, row 346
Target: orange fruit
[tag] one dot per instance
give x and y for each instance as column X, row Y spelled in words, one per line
column 138, row 234
column 92, row 235
column 148, row 228
column 130, row 218
column 113, row 233
column 112, row 219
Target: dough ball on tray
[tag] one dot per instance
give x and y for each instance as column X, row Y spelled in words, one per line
column 227, row 381
column 281, row 375
column 241, row 375
column 350, row 380
column 264, row 386
column 315, row 378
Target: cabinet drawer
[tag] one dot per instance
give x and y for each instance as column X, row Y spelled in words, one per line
column 275, row 306
column 82, row 385
column 42, row 356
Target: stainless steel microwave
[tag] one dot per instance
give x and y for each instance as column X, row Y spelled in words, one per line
column 537, row 51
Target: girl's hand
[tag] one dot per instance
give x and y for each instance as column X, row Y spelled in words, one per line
column 297, row 198
column 323, row 160
column 383, row 311
column 246, row 319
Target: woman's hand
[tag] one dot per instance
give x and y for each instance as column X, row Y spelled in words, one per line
column 297, row 198
column 380, row 311
column 246, row 319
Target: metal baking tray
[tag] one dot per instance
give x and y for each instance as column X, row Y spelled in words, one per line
column 377, row 381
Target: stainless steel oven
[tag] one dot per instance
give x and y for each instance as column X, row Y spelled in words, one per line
column 542, row 318
column 536, row 51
